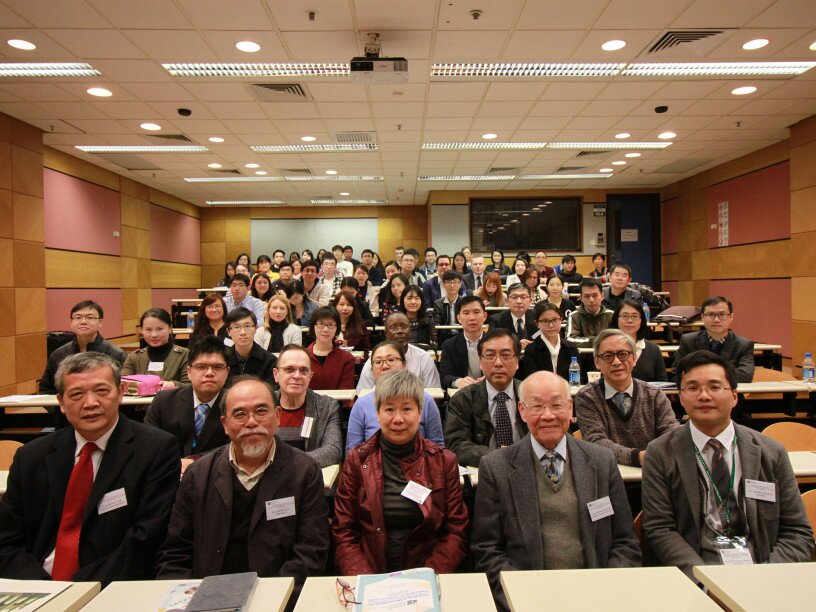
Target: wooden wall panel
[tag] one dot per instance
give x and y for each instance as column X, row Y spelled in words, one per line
column 67, row 164
column 6, row 263
column 8, row 360
column 7, row 307
column 29, row 217
column 29, row 310
column 173, row 203
column 803, row 201
column 169, row 275
column 26, row 168
column 29, row 264
column 6, row 211
column 69, row 269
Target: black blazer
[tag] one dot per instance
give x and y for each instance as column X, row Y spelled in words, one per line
column 469, row 280
column 454, row 361
column 650, row 365
column 117, row 545
column 505, row 319
column 173, row 411
column 737, row 350
column 442, row 316
column 260, row 363
column 537, row 357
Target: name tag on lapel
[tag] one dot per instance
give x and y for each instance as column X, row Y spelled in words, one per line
column 600, row 508
column 280, row 508
column 416, row 492
column 763, row 491
column 306, row 430
column 155, row 366
column 112, row 500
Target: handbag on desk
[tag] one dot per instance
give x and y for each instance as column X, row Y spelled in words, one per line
column 142, row 384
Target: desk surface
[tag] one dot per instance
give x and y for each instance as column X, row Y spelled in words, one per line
column 673, row 348
column 330, row 473
column 770, row 586
column 611, row 590
column 466, row 592
column 140, row 595
column 51, row 400
column 69, row 600
column 435, row 392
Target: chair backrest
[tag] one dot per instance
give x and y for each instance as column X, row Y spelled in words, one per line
column 645, row 552
column 793, row 436
column 577, row 434
column 7, row 450
column 809, row 499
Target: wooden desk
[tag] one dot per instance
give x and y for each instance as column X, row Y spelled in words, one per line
column 51, row 401
column 341, row 395
column 612, row 590
column 140, row 595
column 213, row 290
column 70, row 600
column 770, row 586
column 330, row 474
column 465, row 592
column 435, row 392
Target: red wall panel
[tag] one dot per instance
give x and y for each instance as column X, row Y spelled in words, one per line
column 80, row 216
column 174, row 236
column 670, row 226
column 58, row 304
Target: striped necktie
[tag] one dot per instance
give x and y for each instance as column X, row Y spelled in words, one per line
column 200, row 417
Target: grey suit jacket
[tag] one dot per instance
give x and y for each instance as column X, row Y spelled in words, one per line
column 506, row 527
column 673, row 506
column 737, row 350
column 325, row 443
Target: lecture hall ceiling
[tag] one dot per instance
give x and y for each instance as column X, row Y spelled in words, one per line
column 401, row 125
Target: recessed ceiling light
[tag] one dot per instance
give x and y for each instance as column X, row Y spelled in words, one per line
column 308, row 138
column 757, row 43
column 332, row 172
column 143, row 149
column 717, row 69
column 152, row 127
column 741, row 91
column 261, row 172
column 812, row 46
column 623, row 135
column 100, row 92
column 48, row 70
column 24, row 45
column 632, row 155
column 489, row 136
column 244, row 202
column 667, row 135
column 247, row 46
column 252, row 165
column 613, row 45
column 525, row 214
column 258, row 70
column 215, row 139
column 606, row 170
column 316, row 148
column 620, row 162
column 214, row 165
column 344, row 193
column 525, row 70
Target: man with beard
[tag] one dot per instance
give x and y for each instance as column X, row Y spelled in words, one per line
column 256, row 485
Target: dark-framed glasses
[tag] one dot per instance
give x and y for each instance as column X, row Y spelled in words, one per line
column 345, row 592
column 712, row 389
column 610, row 356
column 557, row 408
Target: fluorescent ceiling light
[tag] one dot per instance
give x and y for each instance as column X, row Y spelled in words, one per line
column 613, row 45
column 244, row 202
column 315, row 148
column 718, row 69
column 757, row 43
column 50, row 70
column 557, row 177
column 525, row 70
column 143, row 149
column 23, row 45
column 151, row 127
column 234, row 179
column 741, row 91
column 436, row 146
column 482, row 177
column 608, row 145
column 259, row 70
column 248, row 46
column 334, row 178
column 215, row 139
column 666, row 135
column 623, row 135
column 333, row 201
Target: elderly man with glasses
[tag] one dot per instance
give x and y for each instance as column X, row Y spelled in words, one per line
column 550, row 501
column 619, row 412
column 254, row 505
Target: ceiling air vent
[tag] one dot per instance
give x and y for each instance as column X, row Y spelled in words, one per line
column 591, row 153
column 691, row 44
column 570, row 168
column 279, row 92
column 299, row 171
column 226, row 171
column 164, row 138
column 501, row 170
column 349, row 137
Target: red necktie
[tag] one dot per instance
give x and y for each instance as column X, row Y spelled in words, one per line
column 66, row 555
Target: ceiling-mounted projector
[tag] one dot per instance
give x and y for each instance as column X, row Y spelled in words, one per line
column 375, row 69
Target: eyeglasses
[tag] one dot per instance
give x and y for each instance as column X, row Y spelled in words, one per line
column 247, row 327
column 89, row 318
column 504, row 356
column 397, row 327
column 610, row 357
column 391, row 361
column 549, row 321
column 557, row 408
column 519, row 297
column 326, row 325
column 716, row 316
column 345, row 592
column 291, row 371
column 242, row 416
column 451, row 283
column 215, row 367
column 629, row 317
column 712, row 389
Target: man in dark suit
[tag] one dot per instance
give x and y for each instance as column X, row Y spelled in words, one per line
column 718, row 316
column 432, row 289
column 483, row 416
column 475, row 279
column 712, row 479
column 90, row 502
column 444, row 309
column 459, row 365
column 255, row 505
column 535, row 505
column 519, row 318
column 193, row 413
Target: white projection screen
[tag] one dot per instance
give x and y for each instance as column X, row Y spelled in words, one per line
column 298, row 234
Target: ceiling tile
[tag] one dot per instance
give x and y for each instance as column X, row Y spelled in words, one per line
column 720, row 14
column 572, row 91
column 329, row 46
column 89, row 44
column 639, row 14
column 785, row 14
column 493, row 15
column 506, row 108
column 461, row 46
column 40, row 92
column 398, row 109
column 451, row 109
column 448, row 123
column 397, row 92
column 552, row 14
column 537, row 46
column 340, row 110
column 349, row 125
column 49, row 14
column 153, row 14
column 374, row 14
column 630, row 90
column 563, row 108
column 637, row 41
column 172, row 45
column 329, row 15
column 134, row 71
column 279, row 111
column 456, row 92
column 501, row 90
column 242, row 15
column 413, row 44
column 609, row 108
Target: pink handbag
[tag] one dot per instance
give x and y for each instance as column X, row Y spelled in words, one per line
column 142, row 384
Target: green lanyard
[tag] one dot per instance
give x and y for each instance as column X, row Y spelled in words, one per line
column 717, row 493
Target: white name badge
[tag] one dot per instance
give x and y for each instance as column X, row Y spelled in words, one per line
column 600, row 508
column 763, row 491
column 112, row 500
column 306, row 430
column 736, row 556
column 416, row 492
column 280, row 508
column 155, row 366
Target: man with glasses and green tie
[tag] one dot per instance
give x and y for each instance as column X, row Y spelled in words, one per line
column 254, row 505
column 86, row 321
column 550, row 501
column 617, row 411
column 192, row 413
column 717, row 337
column 715, row 492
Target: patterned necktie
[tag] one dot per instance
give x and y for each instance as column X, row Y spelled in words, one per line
column 200, row 417
column 715, row 346
column 504, row 430
column 66, row 552
column 722, row 479
column 622, row 402
column 548, row 460
column 520, row 329
column 478, row 282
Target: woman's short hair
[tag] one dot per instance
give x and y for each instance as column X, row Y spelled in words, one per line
column 399, row 383
column 324, row 312
column 644, row 324
column 400, row 348
column 157, row 313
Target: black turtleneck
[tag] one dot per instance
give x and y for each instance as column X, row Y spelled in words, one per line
column 401, row 514
column 159, row 353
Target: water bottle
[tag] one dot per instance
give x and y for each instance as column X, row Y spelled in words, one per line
column 190, row 319
column 647, row 312
column 808, row 370
column 574, row 373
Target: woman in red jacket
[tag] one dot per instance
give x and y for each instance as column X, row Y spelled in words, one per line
column 381, row 523
column 332, row 366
